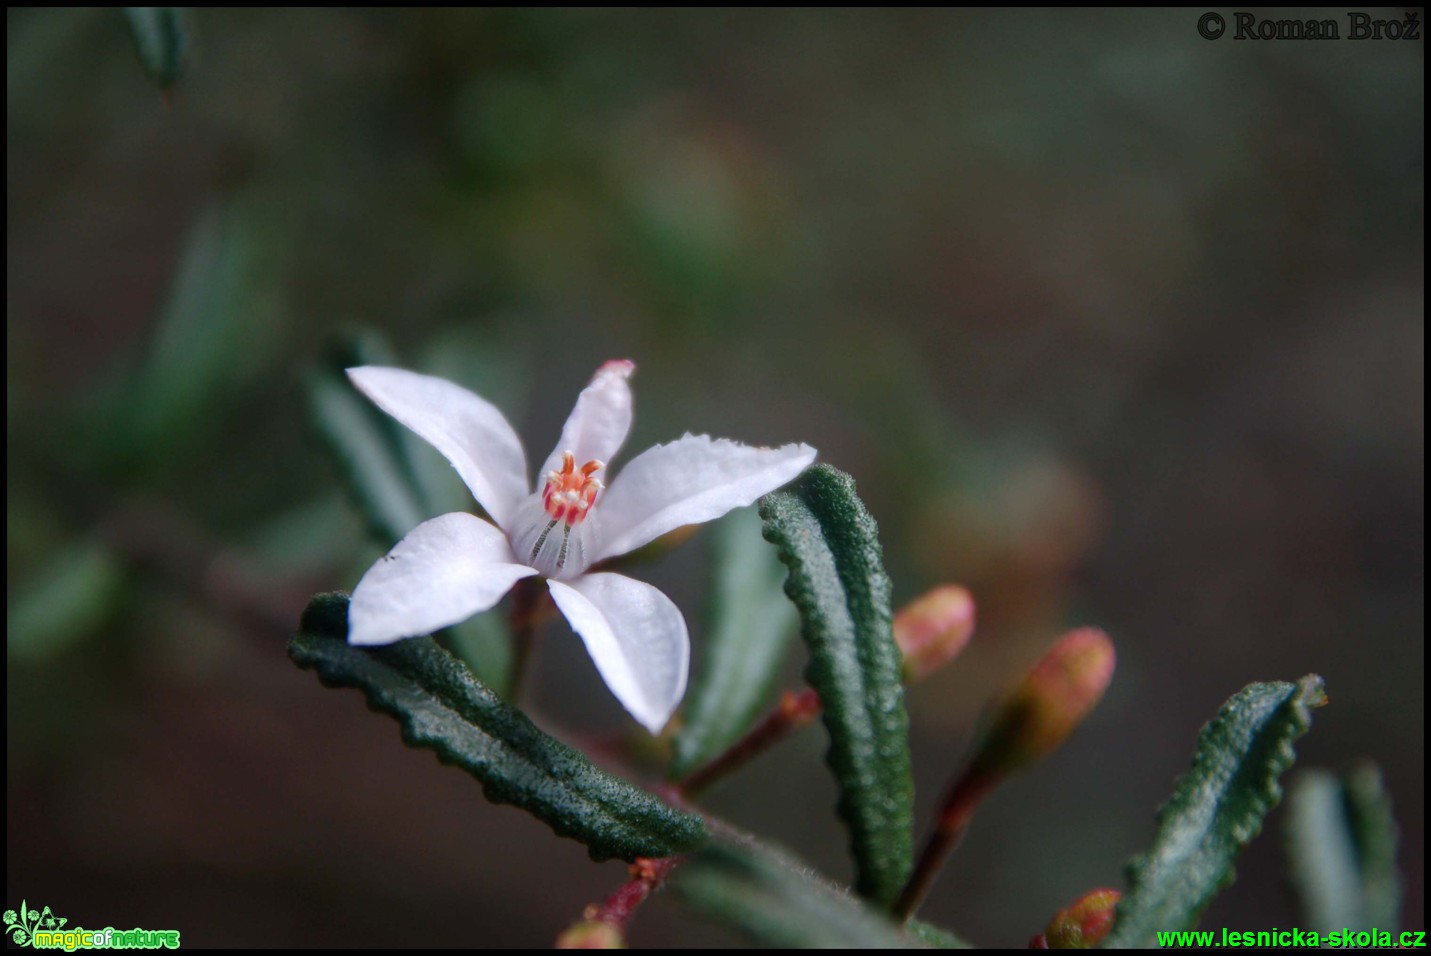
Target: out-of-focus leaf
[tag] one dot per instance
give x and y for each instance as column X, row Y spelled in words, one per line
column 778, row 900
column 1374, row 826
column 1216, row 809
column 829, row 542
column 484, row 644
column 311, row 535
column 66, row 599
column 751, row 626
column 364, row 443
column 215, row 328
column 1341, row 840
column 442, row 707
column 161, row 39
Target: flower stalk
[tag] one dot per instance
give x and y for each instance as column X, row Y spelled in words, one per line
column 528, row 610
column 930, row 631
column 604, row 926
column 795, row 710
column 1029, row 724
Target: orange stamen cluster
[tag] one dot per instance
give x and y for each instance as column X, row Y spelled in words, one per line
column 571, row 492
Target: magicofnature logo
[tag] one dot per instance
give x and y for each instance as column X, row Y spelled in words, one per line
column 42, row 929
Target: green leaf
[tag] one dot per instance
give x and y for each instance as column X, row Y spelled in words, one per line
column 751, row 627
column 70, row 596
column 933, row 937
column 366, row 443
column 216, row 327
column 777, row 900
column 1216, row 809
column 442, row 707
column 161, row 38
column 483, row 643
column 1341, row 841
column 829, row 542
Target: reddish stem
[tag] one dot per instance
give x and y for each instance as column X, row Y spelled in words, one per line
column 528, row 610
column 958, row 809
column 646, row 876
column 794, row 711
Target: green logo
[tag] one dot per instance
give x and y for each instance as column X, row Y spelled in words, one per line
column 21, row 926
column 42, row 929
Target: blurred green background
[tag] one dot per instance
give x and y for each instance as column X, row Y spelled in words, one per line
column 1113, row 324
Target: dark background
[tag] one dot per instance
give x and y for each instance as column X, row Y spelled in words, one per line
column 1115, row 325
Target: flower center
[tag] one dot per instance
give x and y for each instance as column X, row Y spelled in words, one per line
column 569, row 496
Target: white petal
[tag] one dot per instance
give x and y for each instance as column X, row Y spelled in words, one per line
column 469, row 431
column 598, row 424
column 445, row 570
column 636, row 637
column 689, row 481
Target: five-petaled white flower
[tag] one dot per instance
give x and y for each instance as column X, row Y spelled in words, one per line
column 456, row 565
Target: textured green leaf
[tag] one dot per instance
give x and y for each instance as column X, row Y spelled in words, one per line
column 829, row 542
column 751, row 627
column 443, row 708
column 778, row 900
column 161, row 38
column 1341, row 841
column 1216, row 808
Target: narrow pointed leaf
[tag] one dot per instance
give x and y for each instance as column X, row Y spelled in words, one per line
column 1341, row 841
column 751, row 627
column 366, row 444
column 777, row 900
column 215, row 330
column 829, row 543
column 1217, row 807
column 442, row 707
column 161, row 40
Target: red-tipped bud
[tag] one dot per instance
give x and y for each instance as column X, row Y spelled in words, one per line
column 1050, row 702
column 932, row 629
column 1084, row 924
column 591, row 934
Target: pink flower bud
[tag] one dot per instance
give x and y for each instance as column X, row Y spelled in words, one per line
column 1084, row 924
column 932, row 629
column 1051, row 701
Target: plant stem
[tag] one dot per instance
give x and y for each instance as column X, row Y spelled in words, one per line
column 526, row 604
column 959, row 806
column 794, row 711
column 604, row 926
column 646, row 876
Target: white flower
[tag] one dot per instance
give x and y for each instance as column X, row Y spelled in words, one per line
column 457, row 565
